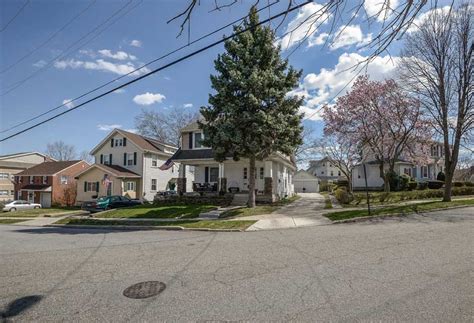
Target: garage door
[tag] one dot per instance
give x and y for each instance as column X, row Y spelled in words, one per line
column 308, row 186
column 45, row 199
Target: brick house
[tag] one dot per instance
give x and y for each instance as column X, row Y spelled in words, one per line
column 49, row 183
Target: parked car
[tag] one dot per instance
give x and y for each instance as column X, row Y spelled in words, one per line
column 19, row 205
column 109, row 202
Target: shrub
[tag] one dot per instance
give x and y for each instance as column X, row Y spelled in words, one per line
column 343, row 196
column 403, row 181
column 466, row 190
column 441, row 177
column 412, row 185
column 469, row 184
column 458, row 184
column 342, row 183
column 435, row 184
column 422, row 185
column 383, row 197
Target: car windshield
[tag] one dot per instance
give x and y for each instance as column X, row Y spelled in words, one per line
column 102, row 199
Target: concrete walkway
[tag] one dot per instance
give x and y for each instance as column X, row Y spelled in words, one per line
column 306, row 211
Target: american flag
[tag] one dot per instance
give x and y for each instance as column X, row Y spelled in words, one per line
column 167, row 165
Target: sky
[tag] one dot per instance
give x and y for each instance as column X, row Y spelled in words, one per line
column 53, row 51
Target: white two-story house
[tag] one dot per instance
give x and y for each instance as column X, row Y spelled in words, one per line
column 324, row 169
column 127, row 164
column 419, row 173
column 273, row 175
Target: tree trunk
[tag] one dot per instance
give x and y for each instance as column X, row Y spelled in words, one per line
column 386, row 180
column 448, row 184
column 251, row 202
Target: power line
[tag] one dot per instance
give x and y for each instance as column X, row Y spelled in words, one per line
column 14, row 17
column 159, row 69
column 68, row 50
column 49, row 38
column 134, row 71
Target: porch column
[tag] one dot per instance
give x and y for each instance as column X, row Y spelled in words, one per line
column 268, row 180
column 181, row 179
column 222, row 181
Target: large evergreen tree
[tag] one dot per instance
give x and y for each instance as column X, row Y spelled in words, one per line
column 250, row 115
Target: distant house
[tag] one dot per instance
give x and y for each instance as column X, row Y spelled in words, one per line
column 49, row 183
column 128, row 164
column 305, row 182
column 419, row 173
column 273, row 175
column 12, row 164
column 324, row 169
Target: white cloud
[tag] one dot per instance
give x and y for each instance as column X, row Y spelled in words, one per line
column 148, row 98
column 132, row 130
column 317, row 39
column 120, row 55
column 303, row 25
column 349, row 35
column 380, row 9
column 101, row 65
column 420, row 19
column 311, row 114
column 322, row 88
column 188, row 105
column 41, row 63
column 136, row 43
column 108, row 127
column 68, row 104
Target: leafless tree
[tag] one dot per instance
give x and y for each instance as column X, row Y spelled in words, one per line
column 59, row 150
column 310, row 149
column 343, row 155
column 437, row 65
column 164, row 126
column 85, row 156
column 396, row 17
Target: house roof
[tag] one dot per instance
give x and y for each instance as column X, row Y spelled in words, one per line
column 192, row 126
column 115, row 170
column 35, row 187
column 48, row 168
column 26, row 153
column 144, row 143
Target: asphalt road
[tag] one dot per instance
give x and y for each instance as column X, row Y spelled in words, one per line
column 414, row 269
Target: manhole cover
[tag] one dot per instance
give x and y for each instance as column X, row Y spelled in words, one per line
column 144, row 289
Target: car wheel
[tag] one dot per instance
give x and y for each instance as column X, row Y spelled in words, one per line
column 37, row 207
column 12, row 209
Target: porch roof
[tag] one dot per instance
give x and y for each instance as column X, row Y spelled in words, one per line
column 36, row 187
column 193, row 154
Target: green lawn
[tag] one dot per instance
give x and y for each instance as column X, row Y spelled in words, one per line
column 160, row 212
column 259, row 209
column 404, row 209
column 38, row 212
column 209, row 224
column 11, row 221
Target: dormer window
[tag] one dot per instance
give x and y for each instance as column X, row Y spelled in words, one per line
column 198, row 136
column 118, row 142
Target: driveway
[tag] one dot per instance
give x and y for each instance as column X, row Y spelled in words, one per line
column 306, row 211
column 409, row 269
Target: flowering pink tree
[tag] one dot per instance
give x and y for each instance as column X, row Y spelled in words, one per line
column 384, row 123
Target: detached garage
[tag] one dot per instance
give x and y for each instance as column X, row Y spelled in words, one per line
column 305, row 182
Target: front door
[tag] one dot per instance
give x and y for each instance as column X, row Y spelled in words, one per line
column 31, row 197
column 45, row 199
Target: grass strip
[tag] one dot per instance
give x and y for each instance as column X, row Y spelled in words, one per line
column 11, row 221
column 402, row 209
column 205, row 224
column 260, row 209
column 158, row 212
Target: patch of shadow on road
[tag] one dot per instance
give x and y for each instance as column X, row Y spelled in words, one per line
column 19, row 305
column 73, row 231
column 423, row 218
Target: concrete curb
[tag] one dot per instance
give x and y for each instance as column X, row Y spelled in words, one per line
column 138, row 227
column 364, row 218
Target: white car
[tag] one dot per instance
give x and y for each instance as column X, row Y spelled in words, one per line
column 19, row 205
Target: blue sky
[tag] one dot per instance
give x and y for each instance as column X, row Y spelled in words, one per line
column 139, row 36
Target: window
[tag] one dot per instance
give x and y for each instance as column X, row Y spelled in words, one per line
column 324, row 164
column 424, row 171
column 118, row 142
column 106, row 159
column 64, row 179
column 245, row 172
column 261, row 172
column 130, row 159
column 197, row 140
column 91, row 186
column 153, row 184
column 332, row 173
column 213, row 174
column 322, row 172
column 338, row 173
column 3, row 192
column 45, row 179
column 12, row 192
column 130, row 186
column 4, row 175
column 32, row 179
column 154, row 161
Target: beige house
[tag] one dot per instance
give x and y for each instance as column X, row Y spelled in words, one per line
column 127, row 164
column 274, row 175
column 12, row 164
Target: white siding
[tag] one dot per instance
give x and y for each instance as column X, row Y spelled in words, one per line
column 153, row 172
